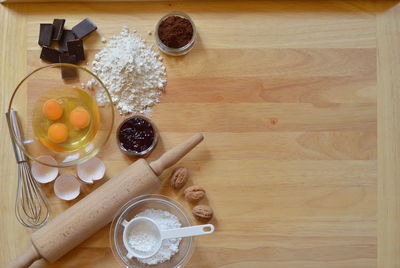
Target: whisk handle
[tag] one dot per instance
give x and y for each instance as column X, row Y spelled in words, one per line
column 13, row 125
column 26, row 259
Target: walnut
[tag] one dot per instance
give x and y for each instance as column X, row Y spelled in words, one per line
column 202, row 212
column 179, row 177
column 194, row 193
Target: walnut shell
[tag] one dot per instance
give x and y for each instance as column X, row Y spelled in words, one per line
column 194, row 193
column 179, row 177
column 202, row 212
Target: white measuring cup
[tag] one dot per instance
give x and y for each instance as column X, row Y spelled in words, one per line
column 147, row 226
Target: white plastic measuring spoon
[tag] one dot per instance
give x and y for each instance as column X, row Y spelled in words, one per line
column 149, row 229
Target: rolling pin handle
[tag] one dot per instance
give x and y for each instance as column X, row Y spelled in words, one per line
column 26, row 259
column 172, row 156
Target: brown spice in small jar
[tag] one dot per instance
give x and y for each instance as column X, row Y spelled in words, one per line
column 175, row 31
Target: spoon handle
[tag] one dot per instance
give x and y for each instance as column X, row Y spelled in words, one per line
column 187, row 231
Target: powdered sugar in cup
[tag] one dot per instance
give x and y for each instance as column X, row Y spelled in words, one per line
column 174, row 252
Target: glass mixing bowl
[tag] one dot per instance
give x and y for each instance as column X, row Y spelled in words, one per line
column 137, row 205
column 32, row 89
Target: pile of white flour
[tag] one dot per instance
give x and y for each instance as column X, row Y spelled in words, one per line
column 132, row 71
column 144, row 242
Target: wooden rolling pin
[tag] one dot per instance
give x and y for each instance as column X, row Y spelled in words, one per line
column 97, row 209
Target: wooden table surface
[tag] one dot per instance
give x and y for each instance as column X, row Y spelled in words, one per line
column 299, row 105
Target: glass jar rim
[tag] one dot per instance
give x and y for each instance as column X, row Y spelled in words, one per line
column 179, row 49
column 151, row 147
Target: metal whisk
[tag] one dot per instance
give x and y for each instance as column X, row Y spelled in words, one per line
column 31, row 206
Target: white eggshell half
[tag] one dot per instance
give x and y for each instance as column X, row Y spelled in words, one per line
column 43, row 173
column 92, row 170
column 67, row 187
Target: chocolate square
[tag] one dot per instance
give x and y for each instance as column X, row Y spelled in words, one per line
column 75, row 47
column 84, row 28
column 45, row 34
column 50, row 54
column 67, row 35
column 58, row 28
column 68, row 59
column 68, row 72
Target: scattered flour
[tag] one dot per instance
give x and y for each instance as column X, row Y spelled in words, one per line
column 132, row 71
column 169, row 247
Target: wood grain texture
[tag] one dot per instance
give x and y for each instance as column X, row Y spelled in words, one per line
column 13, row 57
column 286, row 94
column 388, row 28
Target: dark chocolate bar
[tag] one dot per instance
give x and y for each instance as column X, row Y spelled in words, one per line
column 45, row 34
column 68, row 59
column 84, row 28
column 50, row 54
column 58, row 28
column 67, row 35
column 75, row 47
column 66, row 71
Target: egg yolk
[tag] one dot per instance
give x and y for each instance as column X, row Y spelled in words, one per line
column 79, row 117
column 52, row 109
column 57, row 132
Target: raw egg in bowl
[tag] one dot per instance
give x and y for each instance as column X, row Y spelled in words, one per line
column 60, row 117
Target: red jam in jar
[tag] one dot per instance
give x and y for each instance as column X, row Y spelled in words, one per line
column 136, row 135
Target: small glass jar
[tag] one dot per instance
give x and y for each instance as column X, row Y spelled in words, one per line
column 176, row 51
column 136, row 153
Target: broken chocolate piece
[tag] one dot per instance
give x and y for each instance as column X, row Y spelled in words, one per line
column 68, row 59
column 67, row 35
column 75, row 47
column 50, row 54
column 58, row 28
column 66, row 71
column 45, row 34
column 84, row 28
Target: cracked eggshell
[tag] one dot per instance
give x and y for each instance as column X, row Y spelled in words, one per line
column 43, row 173
column 92, row 170
column 67, row 187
